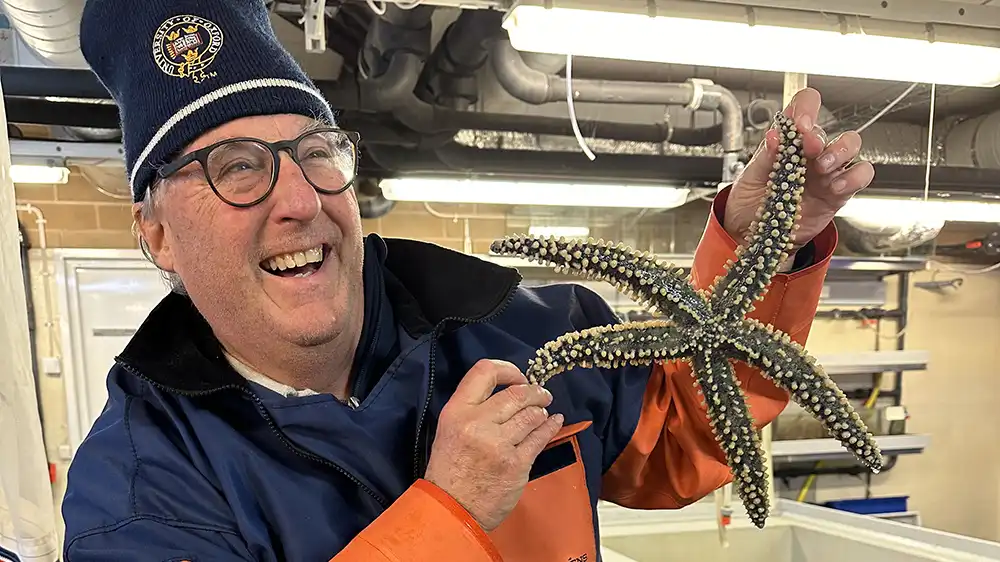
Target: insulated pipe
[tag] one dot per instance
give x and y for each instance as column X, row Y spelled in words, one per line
column 536, row 87
column 50, row 28
column 449, row 78
column 392, row 57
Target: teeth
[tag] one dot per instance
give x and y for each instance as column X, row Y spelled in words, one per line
column 294, row 259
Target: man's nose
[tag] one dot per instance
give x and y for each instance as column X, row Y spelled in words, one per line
column 294, row 197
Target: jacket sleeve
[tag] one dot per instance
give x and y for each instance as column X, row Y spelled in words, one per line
column 672, row 458
column 423, row 525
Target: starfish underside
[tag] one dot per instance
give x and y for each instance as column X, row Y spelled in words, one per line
column 708, row 329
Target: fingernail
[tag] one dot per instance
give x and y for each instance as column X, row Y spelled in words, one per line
column 545, row 411
column 839, row 186
column 826, row 162
column 558, row 418
column 547, row 393
column 807, row 122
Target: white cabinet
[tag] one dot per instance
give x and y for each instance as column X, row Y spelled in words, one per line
column 103, row 297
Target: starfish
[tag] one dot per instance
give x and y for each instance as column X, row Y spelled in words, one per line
column 708, row 328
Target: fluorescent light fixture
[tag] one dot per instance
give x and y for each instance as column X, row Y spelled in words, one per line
column 736, row 44
column 441, row 190
column 22, row 173
column 567, row 231
column 892, row 211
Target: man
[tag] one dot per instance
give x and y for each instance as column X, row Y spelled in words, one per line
column 308, row 393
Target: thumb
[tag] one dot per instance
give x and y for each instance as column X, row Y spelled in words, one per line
column 757, row 171
column 482, row 379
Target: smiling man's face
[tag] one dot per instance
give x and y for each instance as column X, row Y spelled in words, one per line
column 237, row 263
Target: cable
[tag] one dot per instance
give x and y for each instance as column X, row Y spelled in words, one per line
column 930, row 142
column 572, row 108
column 888, row 107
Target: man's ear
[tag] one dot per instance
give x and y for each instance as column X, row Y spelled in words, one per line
column 152, row 233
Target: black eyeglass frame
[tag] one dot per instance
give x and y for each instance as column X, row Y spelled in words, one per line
column 290, row 146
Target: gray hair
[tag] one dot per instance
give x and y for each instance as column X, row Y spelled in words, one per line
column 151, row 201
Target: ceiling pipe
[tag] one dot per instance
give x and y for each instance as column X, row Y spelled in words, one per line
column 392, row 62
column 536, row 87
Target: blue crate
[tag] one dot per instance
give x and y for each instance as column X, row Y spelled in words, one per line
column 889, row 504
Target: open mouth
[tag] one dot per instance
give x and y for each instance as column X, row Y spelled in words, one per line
column 296, row 264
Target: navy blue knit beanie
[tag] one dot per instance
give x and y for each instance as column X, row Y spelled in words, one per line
column 178, row 68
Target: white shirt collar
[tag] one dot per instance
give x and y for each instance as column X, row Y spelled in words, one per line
column 254, row 376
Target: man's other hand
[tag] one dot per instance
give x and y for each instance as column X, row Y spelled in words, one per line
column 486, row 443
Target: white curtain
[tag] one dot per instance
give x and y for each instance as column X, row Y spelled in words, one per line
column 27, row 513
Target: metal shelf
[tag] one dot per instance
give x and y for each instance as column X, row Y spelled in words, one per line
column 807, row 450
column 908, row 517
column 869, row 362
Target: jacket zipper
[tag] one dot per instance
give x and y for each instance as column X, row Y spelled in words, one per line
column 353, row 401
column 417, row 464
column 302, row 452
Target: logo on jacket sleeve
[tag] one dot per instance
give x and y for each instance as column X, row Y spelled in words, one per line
column 185, row 46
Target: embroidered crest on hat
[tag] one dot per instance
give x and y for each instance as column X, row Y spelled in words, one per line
column 185, row 46
column 173, row 79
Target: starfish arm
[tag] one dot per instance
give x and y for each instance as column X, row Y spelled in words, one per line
column 732, row 425
column 633, row 343
column 789, row 366
column 746, row 280
column 653, row 284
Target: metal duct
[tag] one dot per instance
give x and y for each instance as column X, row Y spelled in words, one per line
column 869, row 237
column 50, row 28
column 975, row 142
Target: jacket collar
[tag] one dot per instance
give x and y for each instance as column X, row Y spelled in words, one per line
column 427, row 285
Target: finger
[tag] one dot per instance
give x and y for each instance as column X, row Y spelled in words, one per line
column 804, row 108
column 839, row 153
column 759, row 167
column 482, row 379
column 814, row 142
column 536, row 441
column 522, row 423
column 852, row 180
column 505, row 404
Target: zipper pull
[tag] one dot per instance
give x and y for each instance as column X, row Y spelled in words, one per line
column 353, row 402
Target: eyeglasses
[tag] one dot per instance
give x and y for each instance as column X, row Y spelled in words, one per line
column 243, row 171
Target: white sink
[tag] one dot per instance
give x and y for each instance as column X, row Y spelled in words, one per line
column 794, row 533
